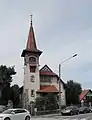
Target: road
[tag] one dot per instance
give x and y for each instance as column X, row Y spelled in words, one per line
column 74, row 117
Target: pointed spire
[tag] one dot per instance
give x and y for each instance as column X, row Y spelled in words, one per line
column 31, row 19
column 31, row 43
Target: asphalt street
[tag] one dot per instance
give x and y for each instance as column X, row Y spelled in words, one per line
column 74, row 117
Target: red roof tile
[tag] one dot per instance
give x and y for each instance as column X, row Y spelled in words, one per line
column 43, row 87
column 31, row 43
column 49, row 89
column 83, row 94
column 45, row 70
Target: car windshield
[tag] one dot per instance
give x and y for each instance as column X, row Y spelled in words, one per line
column 7, row 111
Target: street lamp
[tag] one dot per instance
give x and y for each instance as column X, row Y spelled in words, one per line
column 61, row 78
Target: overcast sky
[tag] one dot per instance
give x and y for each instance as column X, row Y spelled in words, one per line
column 62, row 28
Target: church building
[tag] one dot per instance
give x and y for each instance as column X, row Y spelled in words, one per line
column 38, row 82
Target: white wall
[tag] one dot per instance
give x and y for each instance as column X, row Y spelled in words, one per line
column 31, row 85
column 54, row 82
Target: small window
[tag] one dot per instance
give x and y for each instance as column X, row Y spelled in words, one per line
column 32, row 78
column 32, row 93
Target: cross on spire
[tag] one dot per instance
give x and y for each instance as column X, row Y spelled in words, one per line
column 31, row 19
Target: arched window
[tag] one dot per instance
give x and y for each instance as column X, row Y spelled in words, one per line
column 32, row 60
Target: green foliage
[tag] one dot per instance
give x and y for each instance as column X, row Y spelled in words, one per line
column 39, row 103
column 7, row 94
column 5, row 81
column 73, row 90
column 6, row 74
column 48, row 102
column 16, row 93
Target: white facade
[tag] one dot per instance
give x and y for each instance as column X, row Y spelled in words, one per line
column 31, row 81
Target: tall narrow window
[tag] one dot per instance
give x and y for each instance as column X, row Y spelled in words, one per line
column 32, row 78
column 25, row 61
column 32, row 93
column 32, row 68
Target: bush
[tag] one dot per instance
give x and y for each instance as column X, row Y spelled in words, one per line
column 49, row 102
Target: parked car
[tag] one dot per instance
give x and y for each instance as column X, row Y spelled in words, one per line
column 15, row 114
column 90, row 109
column 2, row 108
column 84, row 109
column 70, row 110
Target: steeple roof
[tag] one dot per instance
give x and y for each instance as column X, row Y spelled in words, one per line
column 31, row 46
column 31, row 43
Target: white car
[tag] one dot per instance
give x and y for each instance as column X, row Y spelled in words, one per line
column 15, row 114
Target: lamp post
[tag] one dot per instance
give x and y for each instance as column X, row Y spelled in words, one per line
column 61, row 78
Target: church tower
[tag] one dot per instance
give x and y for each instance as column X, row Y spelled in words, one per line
column 31, row 68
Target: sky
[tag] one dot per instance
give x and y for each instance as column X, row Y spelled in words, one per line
column 62, row 29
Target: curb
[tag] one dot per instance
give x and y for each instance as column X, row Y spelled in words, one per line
column 46, row 115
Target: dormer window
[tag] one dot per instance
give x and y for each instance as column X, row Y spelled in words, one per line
column 32, row 60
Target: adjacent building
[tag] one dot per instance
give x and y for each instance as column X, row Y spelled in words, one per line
column 38, row 82
column 86, row 97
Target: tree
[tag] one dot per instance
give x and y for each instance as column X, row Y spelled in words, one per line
column 16, row 95
column 73, row 89
column 48, row 102
column 51, row 101
column 6, row 74
column 7, row 94
column 5, row 81
column 40, row 103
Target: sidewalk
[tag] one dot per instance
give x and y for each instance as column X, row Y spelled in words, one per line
column 48, row 115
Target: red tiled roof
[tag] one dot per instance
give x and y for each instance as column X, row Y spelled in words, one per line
column 43, row 87
column 83, row 94
column 49, row 89
column 31, row 43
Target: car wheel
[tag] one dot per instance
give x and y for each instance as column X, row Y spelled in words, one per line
column 85, row 112
column 27, row 118
column 71, row 113
column 77, row 113
column 7, row 118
